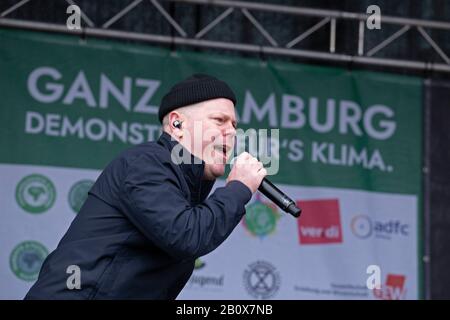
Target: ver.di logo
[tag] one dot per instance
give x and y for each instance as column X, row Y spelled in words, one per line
column 35, row 193
column 260, row 219
column 26, row 260
column 261, row 279
column 78, row 194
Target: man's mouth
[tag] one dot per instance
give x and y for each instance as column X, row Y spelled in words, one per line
column 224, row 149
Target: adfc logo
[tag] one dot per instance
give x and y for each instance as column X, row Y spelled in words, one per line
column 35, row 193
column 320, row 222
column 78, row 194
column 26, row 260
column 261, row 218
column 394, row 288
column 262, row 280
column 363, row 227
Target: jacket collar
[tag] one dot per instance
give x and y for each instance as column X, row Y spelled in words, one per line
column 193, row 170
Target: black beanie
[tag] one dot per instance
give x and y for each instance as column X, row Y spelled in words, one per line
column 198, row 87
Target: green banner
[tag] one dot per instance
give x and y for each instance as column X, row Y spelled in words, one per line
column 77, row 103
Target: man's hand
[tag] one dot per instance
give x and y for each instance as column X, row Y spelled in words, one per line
column 248, row 170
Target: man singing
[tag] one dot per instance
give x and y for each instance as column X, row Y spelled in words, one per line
column 148, row 215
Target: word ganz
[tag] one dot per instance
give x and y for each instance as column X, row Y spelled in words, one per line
column 46, row 85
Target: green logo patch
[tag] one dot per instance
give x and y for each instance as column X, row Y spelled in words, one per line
column 260, row 219
column 78, row 194
column 26, row 260
column 35, row 193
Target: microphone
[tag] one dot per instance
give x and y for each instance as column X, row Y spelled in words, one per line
column 277, row 196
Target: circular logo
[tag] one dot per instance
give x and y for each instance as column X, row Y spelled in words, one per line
column 361, row 226
column 78, row 194
column 35, row 193
column 260, row 219
column 26, row 260
column 261, row 280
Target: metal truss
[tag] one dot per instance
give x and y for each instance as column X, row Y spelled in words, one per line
column 325, row 17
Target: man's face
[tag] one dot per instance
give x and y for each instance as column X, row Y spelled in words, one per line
column 212, row 128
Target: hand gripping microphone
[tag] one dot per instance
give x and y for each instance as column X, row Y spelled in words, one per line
column 277, row 196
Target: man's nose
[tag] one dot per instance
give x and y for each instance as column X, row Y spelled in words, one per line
column 230, row 130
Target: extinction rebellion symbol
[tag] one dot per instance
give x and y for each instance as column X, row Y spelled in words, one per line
column 35, row 193
column 261, row 279
column 26, row 260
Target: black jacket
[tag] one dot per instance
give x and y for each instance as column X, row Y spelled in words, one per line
column 145, row 221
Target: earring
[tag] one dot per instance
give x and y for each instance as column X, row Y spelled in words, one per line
column 177, row 124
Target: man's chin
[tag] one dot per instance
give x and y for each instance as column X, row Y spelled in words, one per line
column 215, row 171
column 218, row 170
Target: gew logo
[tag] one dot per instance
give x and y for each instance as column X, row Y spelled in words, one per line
column 320, row 222
column 394, row 288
